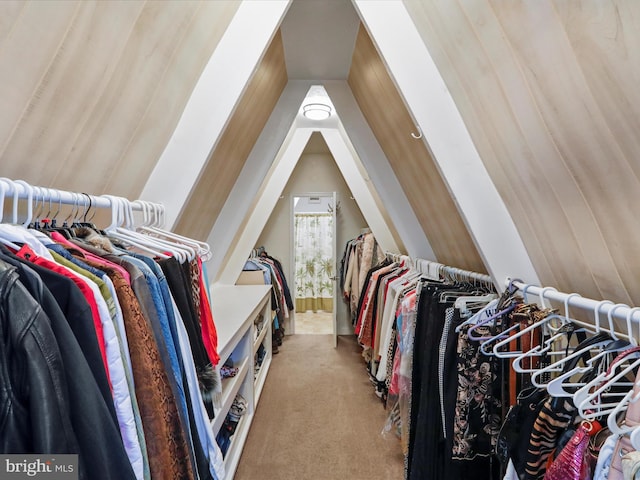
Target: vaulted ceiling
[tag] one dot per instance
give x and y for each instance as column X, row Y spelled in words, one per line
column 92, row 93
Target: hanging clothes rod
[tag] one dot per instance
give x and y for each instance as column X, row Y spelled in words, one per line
column 429, row 267
column 601, row 308
column 22, row 190
column 120, row 207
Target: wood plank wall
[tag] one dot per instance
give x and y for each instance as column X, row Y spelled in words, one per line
column 391, row 123
column 234, row 146
column 549, row 92
column 92, row 91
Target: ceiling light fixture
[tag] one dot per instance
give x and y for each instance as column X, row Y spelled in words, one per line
column 316, row 111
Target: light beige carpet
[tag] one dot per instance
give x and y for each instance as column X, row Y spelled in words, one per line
column 318, row 323
column 318, row 418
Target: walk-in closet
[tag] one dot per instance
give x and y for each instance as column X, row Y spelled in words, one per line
column 320, row 239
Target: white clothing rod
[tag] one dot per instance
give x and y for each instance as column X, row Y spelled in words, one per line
column 121, row 208
column 10, row 188
column 602, row 310
column 431, row 266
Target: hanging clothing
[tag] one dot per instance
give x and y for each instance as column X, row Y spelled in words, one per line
column 281, row 301
column 360, row 255
column 443, row 397
column 127, row 399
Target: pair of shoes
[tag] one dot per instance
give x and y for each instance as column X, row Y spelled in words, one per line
column 227, row 372
column 238, row 408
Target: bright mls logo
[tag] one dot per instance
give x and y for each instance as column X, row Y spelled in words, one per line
column 51, row 467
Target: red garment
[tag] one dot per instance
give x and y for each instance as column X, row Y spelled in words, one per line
column 28, row 254
column 207, row 325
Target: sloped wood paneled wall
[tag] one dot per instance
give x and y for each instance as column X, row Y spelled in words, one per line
column 234, row 146
column 548, row 90
column 92, row 90
column 410, row 159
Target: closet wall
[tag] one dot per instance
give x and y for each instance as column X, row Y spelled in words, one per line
column 316, row 171
column 235, row 144
column 548, row 91
column 410, row 159
column 92, row 91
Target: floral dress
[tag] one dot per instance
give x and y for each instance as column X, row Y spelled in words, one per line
column 478, row 405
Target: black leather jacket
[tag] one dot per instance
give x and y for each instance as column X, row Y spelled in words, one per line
column 34, row 415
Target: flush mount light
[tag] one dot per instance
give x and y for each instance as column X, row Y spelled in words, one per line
column 316, row 111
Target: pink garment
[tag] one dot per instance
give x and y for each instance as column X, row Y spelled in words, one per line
column 66, row 243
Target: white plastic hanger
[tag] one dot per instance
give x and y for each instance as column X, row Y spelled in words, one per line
column 559, row 365
column 14, row 232
column 599, row 396
column 180, row 252
column 486, row 314
column 185, row 252
column 29, row 189
column 117, row 216
column 461, row 302
column 635, row 437
column 589, row 399
column 545, row 349
column 195, row 248
column 152, row 228
column 545, row 323
column 617, row 408
column 203, row 247
column 16, row 196
column 480, row 316
column 486, row 346
column 5, row 185
column 557, row 386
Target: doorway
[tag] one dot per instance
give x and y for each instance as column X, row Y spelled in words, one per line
column 314, row 263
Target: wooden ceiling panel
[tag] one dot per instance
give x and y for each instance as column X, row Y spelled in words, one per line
column 95, row 89
column 553, row 112
column 391, row 123
column 235, row 144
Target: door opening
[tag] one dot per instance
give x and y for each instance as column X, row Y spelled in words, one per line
column 314, row 263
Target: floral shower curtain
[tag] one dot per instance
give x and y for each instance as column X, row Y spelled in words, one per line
column 314, row 261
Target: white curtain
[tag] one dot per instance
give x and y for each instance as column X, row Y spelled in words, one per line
column 314, row 261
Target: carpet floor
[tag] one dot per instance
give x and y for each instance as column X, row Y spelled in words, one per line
column 319, row 323
column 318, row 418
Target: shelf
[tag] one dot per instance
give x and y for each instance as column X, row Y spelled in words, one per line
column 234, row 452
column 230, row 388
column 234, row 309
column 259, row 340
column 262, row 376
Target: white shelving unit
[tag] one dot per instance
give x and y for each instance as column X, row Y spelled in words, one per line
column 243, row 320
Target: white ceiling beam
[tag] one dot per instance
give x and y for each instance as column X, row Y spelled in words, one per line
column 264, row 203
column 253, row 173
column 445, row 133
column 212, row 103
column 351, row 168
column 267, row 172
column 379, row 172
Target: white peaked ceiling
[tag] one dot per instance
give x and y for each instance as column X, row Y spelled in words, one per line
column 310, row 52
column 530, row 113
column 318, row 38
